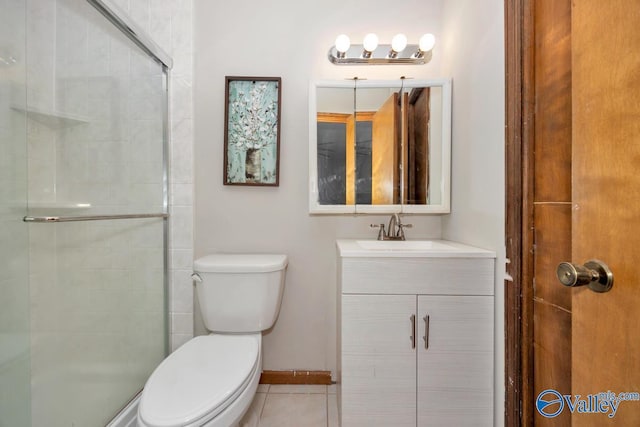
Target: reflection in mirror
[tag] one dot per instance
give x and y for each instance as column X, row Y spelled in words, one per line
column 424, row 150
column 335, row 133
column 381, row 145
column 363, row 173
column 382, row 139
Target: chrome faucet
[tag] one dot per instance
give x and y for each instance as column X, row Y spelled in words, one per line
column 395, row 229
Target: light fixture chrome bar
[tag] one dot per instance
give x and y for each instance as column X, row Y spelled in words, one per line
column 125, row 24
column 49, row 219
column 411, row 55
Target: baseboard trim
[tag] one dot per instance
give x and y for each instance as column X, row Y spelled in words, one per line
column 295, row 377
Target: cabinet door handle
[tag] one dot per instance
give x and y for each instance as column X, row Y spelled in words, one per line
column 426, row 332
column 413, row 331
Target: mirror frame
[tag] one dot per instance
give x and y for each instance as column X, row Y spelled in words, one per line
column 443, row 207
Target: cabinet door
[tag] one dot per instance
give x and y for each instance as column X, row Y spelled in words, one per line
column 378, row 361
column 455, row 364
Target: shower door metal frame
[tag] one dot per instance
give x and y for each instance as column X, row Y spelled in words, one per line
column 136, row 34
column 125, row 24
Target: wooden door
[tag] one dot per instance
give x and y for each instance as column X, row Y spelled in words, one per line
column 455, row 361
column 385, row 143
column 551, row 209
column 584, row 86
column 606, row 201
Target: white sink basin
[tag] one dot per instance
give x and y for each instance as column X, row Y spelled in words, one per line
column 404, row 245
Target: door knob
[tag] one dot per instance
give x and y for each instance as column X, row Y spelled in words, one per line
column 593, row 273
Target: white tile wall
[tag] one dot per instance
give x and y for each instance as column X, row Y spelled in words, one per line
column 170, row 25
column 78, row 70
column 14, row 318
column 75, row 68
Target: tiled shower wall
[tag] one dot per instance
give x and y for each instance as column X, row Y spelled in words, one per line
column 93, row 137
column 14, row 294
column 169, row 23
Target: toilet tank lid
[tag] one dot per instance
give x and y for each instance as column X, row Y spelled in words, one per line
column 240, row 263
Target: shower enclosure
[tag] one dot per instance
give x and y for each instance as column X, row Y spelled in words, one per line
column 83, row 212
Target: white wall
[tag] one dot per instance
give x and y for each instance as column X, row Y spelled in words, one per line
column 289, row 39
column 473, row 35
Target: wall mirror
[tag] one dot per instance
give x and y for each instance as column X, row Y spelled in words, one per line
column 380, row 146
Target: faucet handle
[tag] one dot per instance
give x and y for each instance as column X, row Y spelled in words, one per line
column 381, row 230
column 401, row 228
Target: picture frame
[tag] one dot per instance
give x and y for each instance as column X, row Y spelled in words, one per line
column 252, row 131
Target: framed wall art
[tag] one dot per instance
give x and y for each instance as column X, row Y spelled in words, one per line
column 252, row 131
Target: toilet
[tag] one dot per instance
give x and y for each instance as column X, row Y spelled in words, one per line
column 211, row 380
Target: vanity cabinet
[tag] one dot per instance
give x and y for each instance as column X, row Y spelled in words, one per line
column 416, row 340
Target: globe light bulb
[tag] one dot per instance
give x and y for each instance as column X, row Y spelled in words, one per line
column 342, row 43
column 399, row 42
column 370, row 42
column 427, row 42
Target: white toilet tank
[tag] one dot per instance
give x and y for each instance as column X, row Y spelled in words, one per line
column 239, row 292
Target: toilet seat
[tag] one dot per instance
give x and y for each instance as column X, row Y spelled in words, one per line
column 199, row 380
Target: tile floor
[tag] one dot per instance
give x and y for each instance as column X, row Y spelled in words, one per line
column 293, row 406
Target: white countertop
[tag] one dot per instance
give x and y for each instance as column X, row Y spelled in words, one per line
column 428, row 248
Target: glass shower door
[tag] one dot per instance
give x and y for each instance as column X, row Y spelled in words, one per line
column 14, row 239
column 96, row 109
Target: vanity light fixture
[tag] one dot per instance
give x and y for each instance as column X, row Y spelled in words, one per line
column 369, row 45
column 398, row 44
column 342, row 45
column 372, row 53
column 425, row 44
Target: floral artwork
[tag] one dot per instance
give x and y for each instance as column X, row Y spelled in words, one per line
column 252, row 130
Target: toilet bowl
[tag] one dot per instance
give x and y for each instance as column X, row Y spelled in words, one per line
column 211, row 380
